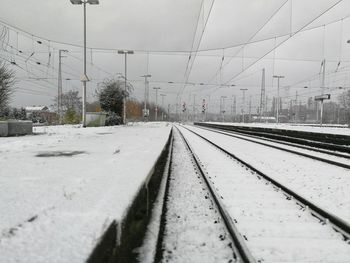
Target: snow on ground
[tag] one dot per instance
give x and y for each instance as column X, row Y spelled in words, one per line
column 324, row 184
column 277, row 230
column 343, row 130
column 54, row 208
column 194, row 230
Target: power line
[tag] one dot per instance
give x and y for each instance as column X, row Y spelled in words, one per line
column 282, row 42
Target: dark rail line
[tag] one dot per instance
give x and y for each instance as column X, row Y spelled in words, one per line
column 338, row 224
column 333, row 142
column 239, row 242
column 343, row 165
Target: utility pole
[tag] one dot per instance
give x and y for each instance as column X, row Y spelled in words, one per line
column 234, row 110
column 207, row 111
column 194, row 107
column 125, row 52
column 84, row 78
column 168, row 112
column 262, row 95
column 156, row 109
column 145, row 112
column 243, row 103
column 162, row 95
column 59, row 95
column 296, row 107
column 278, row 96
column 250, row 108
column 323, row 86
column 222, row 106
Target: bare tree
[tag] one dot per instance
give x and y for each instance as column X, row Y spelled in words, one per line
column 7, row 80
column 70, row 101
column 344, row 100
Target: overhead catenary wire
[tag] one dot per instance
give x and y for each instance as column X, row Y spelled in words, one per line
column 283, row 41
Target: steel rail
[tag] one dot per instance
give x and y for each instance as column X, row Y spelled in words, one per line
column 297, row 140
column 343, row 165
column 311, row 148
column 337, row 223
column 239, row 242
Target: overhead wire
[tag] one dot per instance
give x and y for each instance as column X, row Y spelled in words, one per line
column 283, row 41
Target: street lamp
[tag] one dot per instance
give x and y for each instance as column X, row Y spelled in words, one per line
column 84, row 78
column 163, row 95
column 125, row 52
column 145, row 113
column 222, row 106
column 278, row 95
column 243, row 103
column 156, row 109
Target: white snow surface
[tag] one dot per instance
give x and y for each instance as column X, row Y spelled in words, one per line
column 55, row 209
column 194, row 230
column 277, row 230
column 344, row 130
column 324, row 184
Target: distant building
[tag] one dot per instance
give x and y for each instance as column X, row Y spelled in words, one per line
column 42, row 114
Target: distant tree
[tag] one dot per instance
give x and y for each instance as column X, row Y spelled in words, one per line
column 111, row 94
column 7, row 80
column 344, row 100
column 23, row 114
column 70, row 101
column 71, row 117
column 133, row 109
column 93, row 106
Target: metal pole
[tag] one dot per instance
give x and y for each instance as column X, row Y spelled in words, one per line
column 146, row 95
column 250, row 108
column 278, row 99
column 163, row 95
column 124, row 97
column 223, row 109
column 323, row 84
column 194, row 107
column 243, row 103
column 262, row 95
column 278, row 96
column 84, row 80
column 156, row 104
column 156, row 109
column 59, row 96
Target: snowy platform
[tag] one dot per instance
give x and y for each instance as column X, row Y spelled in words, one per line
column 325, row 129
column 62, row 187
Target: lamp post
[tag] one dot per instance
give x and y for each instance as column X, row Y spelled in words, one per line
column 84, row 78
column 59, row 87
column 222, row 106
column 145, row 114
column 278, row 96
column 163, row 95
column 156, row 109
column 243, row 103
column 125, row 52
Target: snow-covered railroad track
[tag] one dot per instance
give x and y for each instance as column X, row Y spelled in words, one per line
column 323, row 155
column 194, row 225
column 326, row 141
column 278, row 224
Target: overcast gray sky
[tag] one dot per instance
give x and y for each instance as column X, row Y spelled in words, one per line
column 234, row 35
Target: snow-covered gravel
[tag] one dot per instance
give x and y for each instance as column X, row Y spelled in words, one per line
column 284, row 126
column 193, row 231
column 277, row 229
column 324, row 184
column 54, row 209
column 290, row 147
